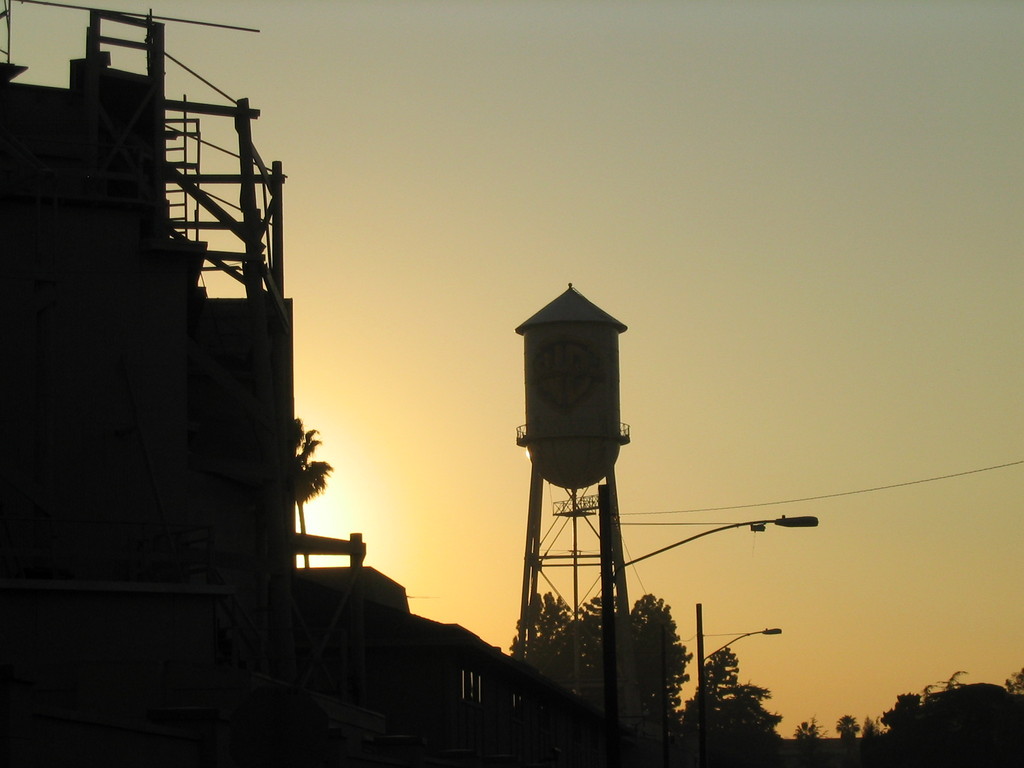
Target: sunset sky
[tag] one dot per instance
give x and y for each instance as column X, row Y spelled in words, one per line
column 810, row 216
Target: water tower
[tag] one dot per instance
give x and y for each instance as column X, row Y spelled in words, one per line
column 573, row 435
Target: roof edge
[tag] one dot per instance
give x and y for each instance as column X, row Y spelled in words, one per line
column 570, row 307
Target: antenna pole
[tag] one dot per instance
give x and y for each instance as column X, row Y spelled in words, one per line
column 6, row 16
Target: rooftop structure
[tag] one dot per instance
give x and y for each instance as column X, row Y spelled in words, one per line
column 151, row 606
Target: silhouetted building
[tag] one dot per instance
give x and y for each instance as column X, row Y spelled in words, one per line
column 150, row 608
column 447, row 694
column 826, row 752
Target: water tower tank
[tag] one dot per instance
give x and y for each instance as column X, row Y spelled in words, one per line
column 572, row 427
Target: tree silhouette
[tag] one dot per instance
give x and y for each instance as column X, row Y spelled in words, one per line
column 551, row 652
column 871, row 728
column 808, row 737
column 309, row 478
column 979, row 725
column 847, row 727
column 740, row 731
column 944, row 685
column 1015, row 683
column 652, row 625
column 870, row 742
column 809, row 730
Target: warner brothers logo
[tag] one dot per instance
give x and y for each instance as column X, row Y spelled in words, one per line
column 565, row 372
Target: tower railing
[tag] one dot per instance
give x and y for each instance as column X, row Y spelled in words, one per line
column 523, row 437
column 582, row 505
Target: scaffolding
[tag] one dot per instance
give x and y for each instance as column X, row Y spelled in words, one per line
column 129, row 147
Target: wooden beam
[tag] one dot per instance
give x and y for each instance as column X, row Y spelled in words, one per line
column 219, row 110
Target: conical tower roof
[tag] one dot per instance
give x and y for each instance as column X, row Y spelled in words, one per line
column 571, row 307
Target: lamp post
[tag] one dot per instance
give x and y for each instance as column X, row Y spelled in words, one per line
column 608, row 577
column 702, row 721
column 772, row 631
column 755, row 525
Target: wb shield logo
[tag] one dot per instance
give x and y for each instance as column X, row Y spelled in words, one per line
column 565, row 372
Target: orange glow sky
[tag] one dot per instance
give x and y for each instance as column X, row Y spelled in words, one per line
column 809, row 214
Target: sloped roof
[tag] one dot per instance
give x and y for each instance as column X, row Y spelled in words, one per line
column 389, row 630
column 571, row 307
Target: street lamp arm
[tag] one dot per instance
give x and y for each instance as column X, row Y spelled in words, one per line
column 786, row 522
column 702, row 680
column 636, row 560
column 775, row 631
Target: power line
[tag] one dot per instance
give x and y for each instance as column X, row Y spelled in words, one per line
column 137, row 15
column 826, row 495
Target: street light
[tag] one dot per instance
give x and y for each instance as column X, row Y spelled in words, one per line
column 702, row 723
column 773, row 631
column 755, row 525
column 613, row 755
column 700, row 676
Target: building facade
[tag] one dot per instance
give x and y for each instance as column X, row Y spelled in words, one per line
column 151, row 609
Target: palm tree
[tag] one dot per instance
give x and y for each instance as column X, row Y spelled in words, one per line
column 808, row 737
column 309, row 478
column 847, row 727
column 809, row 730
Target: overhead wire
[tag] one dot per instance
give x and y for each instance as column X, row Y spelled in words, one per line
column 815, row 498
column 136, row 14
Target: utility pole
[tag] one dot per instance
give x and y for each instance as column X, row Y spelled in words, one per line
column 613, row 756
column 702, row 715
column 664, row 697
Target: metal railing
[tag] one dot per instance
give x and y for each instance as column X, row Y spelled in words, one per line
column 523, row 437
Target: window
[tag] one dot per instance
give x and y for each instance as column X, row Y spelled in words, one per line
column 471, row 686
